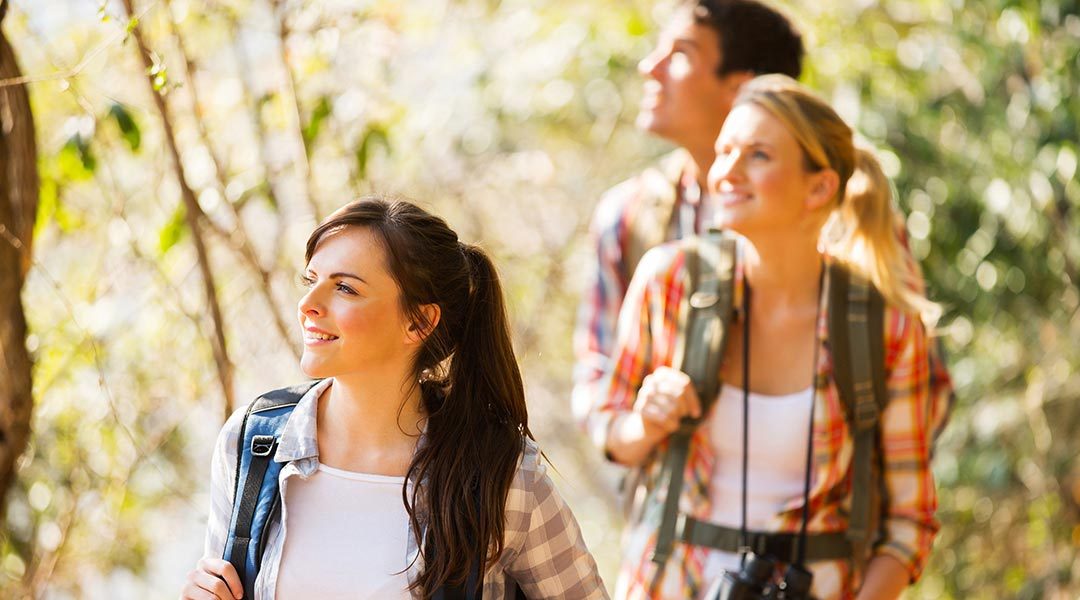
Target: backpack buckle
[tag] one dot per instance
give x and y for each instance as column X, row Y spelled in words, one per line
column 262, row 445
column 703, row 299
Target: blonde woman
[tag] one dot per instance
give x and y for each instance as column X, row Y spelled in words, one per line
column 785, row 164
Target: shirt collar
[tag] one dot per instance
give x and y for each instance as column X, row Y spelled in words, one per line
column 299, row 440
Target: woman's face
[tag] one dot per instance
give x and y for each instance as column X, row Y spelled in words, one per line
column 351, row 316
column 759, row 181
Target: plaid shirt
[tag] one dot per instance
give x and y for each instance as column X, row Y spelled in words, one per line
column 649, row 335
column 610, row 232
column 544, row 552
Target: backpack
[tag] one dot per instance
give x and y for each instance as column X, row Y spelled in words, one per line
column 649, row 219
column 257, row 498
column 856, row 327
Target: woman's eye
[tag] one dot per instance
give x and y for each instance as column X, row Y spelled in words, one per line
column 306, row 280
column 760, row 155
column 344, row 288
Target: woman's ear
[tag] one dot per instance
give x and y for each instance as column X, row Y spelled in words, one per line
column 419, row 330
column 823, row 186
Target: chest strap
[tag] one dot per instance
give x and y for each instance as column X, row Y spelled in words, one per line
column 781, row 546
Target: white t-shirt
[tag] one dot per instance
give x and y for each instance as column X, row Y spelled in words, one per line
column 347, row 536
column 776, row 471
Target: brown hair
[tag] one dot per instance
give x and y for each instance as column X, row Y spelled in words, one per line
column 471, row 387
column 865, row 232
column 753, row 37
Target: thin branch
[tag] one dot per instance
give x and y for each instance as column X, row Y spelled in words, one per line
column 260, row 129
column 302, row 150
column 194, row 216
column 239, row 239
column 87, row 58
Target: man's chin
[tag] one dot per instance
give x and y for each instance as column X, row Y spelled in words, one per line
column 650, row 122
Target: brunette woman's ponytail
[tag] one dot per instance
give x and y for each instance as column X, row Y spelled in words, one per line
column 475, row 434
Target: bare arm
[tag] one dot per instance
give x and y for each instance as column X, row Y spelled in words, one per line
column 886, row 578
column 666, row 395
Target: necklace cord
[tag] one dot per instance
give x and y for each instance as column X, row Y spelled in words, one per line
column 800, row 555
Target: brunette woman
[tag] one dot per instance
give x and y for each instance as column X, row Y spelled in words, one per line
column 412, row 456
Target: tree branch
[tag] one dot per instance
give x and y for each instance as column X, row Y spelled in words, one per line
column 239, row 238
column 194, row 216
column 302, row 150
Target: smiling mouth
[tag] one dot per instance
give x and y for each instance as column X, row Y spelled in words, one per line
column 731, row 198
column 311, row 336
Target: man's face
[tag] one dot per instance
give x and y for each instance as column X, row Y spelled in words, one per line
column 685, row 100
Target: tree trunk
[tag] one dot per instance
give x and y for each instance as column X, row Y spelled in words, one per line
column 18, row 208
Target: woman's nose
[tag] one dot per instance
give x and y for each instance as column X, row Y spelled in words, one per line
column 722, row 169
column 310, row 305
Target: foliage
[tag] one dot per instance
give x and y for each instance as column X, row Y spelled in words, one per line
column 509, row 118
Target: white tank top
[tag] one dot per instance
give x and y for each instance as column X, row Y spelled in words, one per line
column 346, row 536
column 779, row 430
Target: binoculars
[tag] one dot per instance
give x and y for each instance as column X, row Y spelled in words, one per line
column 755, row 581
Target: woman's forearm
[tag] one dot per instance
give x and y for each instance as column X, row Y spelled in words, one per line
column 886, row 578
column 631, row 438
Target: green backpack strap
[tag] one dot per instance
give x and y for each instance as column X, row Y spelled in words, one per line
column 856, row 335
column 649, row 224
column 710, row 264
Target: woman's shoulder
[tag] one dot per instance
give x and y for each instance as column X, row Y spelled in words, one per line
column 662, row 267
column 530, row 466
column 230, row 432
column 531, row 485
column 233, row 428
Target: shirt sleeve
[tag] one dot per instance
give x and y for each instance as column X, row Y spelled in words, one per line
column 594, row 333
column 550, row 559
column 906, row 440
column 222, row 475
column 647, row 334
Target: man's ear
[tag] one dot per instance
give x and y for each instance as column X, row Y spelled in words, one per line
column 823, row 186
column 418, row 331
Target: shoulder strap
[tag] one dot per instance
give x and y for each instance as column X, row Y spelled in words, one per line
column 856, row 335
column 651, row 217
column 255, row 489
column 710, row 265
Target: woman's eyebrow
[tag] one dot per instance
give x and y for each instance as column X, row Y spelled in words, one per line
column 342, row 274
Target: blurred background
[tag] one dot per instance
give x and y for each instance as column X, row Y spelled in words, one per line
column 174, row 194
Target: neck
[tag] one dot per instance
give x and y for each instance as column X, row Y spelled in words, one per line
column 701, row 158
column 380, row 407
column 784, row 270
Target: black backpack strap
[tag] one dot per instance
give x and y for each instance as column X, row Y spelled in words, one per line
column 710, row 265
column 262, row 451
column 856, row 335
column 254, row 457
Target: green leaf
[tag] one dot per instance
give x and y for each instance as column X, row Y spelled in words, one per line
column 315, row 123
column 375, row 136
column 75, row 161
column 129, row 129
column 173, row 230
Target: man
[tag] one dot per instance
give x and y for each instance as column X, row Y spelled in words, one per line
column 704, row 55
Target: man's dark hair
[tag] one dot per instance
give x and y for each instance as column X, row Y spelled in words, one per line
column 753, row 37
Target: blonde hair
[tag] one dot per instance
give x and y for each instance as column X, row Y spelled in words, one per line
column 865, row 228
